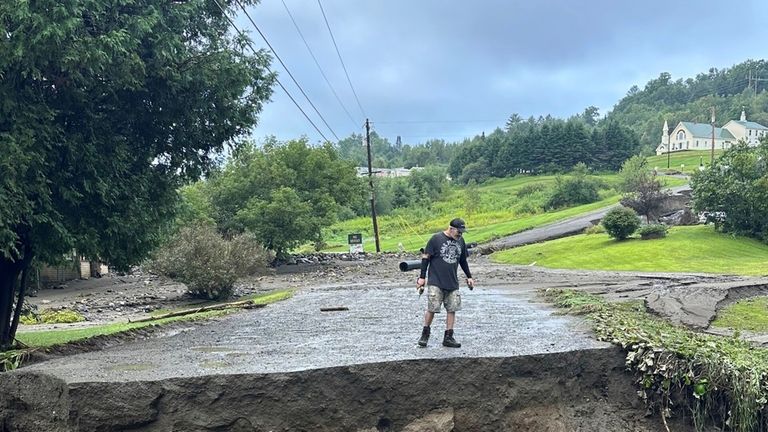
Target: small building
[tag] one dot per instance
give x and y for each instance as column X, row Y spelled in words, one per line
column 73, row 267
column 699, row 136
column 385, row 172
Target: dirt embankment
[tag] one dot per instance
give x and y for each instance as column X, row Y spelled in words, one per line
column 577, row 391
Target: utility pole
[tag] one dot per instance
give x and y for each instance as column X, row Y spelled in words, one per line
column 753, row 82
column 712, row 155
column 370, row 183
column 665, row 130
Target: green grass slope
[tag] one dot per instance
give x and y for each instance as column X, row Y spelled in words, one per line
column 698, row 249
column 685, row 161
column 501, row 208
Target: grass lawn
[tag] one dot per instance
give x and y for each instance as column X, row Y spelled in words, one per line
column 697, row 249
column 46, row 338
column 685, row 161
column 500, row 211
column 749, row 314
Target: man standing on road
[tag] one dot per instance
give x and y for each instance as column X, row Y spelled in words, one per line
column 445, row 252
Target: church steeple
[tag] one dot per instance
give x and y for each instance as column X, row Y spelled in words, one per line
column 665, row 129
column 743, row 115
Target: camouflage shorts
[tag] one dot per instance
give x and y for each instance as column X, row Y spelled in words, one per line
column 437, row 297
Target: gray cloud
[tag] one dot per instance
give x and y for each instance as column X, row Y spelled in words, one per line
column 475, row 63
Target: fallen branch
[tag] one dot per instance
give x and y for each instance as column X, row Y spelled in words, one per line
column 244, row 304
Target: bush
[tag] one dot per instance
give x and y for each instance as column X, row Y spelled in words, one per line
column 573, row 191
column 61, row 316
column 530, row 189
column 621, row 222
column 595, row 229
column 652, row 231
column 207, row 263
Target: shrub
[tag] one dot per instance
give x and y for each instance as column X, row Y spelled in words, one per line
column 207, row 263
column 573, row 191
column 530, row 189
column 61, row 316
column 621, row 222
column 652, row 231
column 595, row 229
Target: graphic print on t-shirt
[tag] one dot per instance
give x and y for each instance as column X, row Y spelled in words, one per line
column 450, row 252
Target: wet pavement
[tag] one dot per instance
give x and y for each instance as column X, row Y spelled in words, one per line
column 381, row 324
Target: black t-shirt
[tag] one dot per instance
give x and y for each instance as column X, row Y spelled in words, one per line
column 445, row 255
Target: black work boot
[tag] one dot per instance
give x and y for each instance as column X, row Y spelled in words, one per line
column 424, row 336
column 449, row 341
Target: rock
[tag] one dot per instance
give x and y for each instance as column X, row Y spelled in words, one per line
column 674, row 203
column 680, row 217
column 33, row 402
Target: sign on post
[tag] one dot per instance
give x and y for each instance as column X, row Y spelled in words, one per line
column 355, row 243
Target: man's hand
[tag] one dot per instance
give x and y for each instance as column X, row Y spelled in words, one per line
column 420, row 282
column 471, row 283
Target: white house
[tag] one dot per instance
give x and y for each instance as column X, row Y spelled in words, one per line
column 698, row 136
column 386, row 172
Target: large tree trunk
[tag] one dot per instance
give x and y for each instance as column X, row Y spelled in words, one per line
column 19, row 303
column 9, row 274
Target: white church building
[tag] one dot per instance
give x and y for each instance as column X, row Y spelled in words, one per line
column 698, row 136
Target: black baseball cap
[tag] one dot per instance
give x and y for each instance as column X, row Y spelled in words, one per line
column 459, row 224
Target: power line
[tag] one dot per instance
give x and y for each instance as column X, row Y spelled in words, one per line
column 286, row 68
column 250, row 45
column 341, row 60
column 438, row 121
column 318, row 64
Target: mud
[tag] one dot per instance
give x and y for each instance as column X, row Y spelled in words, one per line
column 576, row 391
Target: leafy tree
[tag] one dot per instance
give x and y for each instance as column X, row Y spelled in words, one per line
column 403, row 193
column 107, row 108
column 642, row 190
column 735, row 191
column 284, row 192
column 475, row 171
column 428, row 183
column 576, row 189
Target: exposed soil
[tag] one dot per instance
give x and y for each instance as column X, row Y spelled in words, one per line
column 576, row 391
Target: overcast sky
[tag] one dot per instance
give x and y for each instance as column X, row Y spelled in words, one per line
column 452, row 69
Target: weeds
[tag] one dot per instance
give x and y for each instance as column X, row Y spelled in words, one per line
column 714, row 380
column 11, row 360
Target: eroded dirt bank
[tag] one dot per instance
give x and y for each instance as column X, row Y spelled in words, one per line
column 574, row 391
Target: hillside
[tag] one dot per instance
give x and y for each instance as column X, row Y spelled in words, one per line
column 497, row 208
column 729, row 90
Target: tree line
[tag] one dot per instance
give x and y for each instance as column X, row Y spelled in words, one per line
column 543, row 146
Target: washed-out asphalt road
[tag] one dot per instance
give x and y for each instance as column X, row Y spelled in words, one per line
column 555, row 230
column 382, row 323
